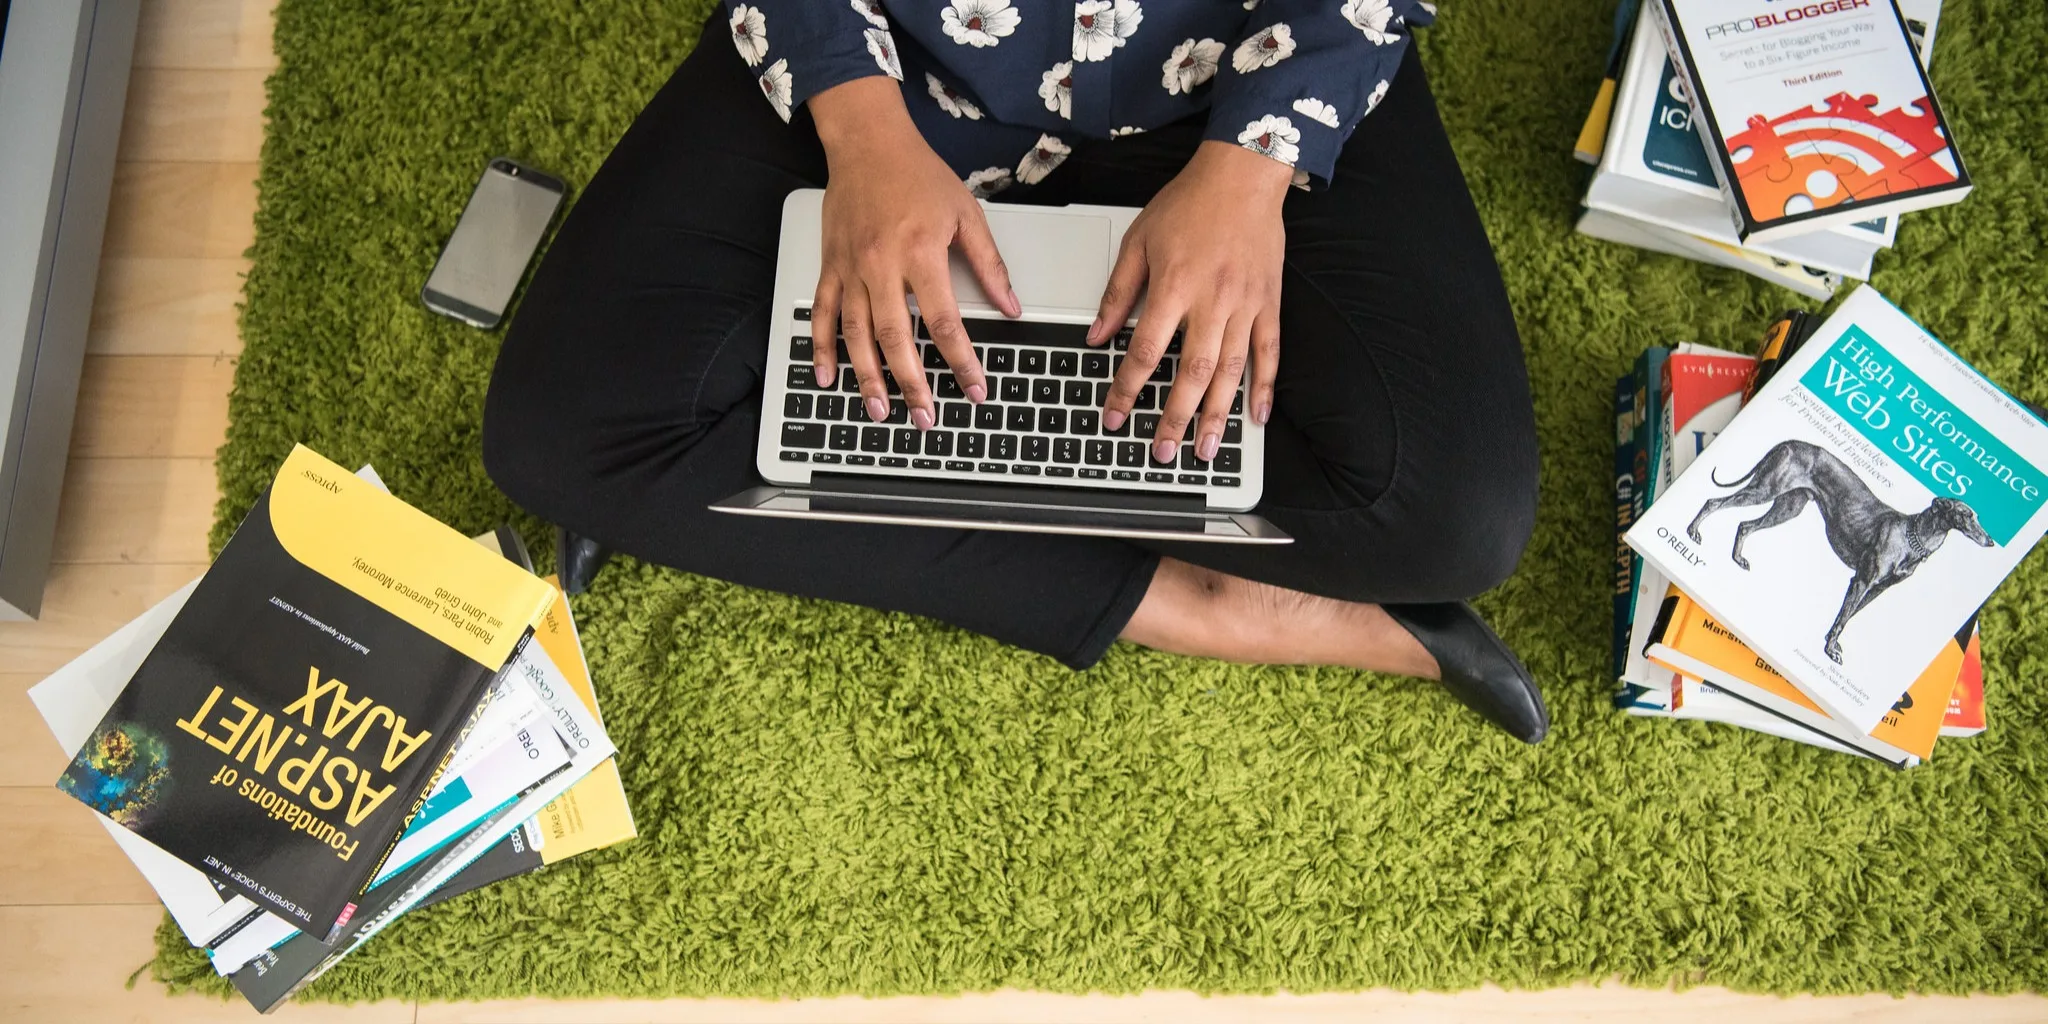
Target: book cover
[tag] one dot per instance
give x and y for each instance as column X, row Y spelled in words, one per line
column 1858, row 511
column 1624, row 489
column 1688, row 640
column 1704, row 702
column 1966, row 705
column 1813, row 115
column 1637, row 690
column 1593, row 133
column 285, row 726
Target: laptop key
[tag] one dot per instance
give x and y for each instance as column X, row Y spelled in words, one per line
column 860, row 460
column 899, row 413
column 1095, row 364
column 1066, row 364
column 874, row 439
column 1001, row 360
column 1022, row 419
column 1155, row 463
column 1189, row 460
column 992, row 467
column 1024, row 469
column 1228, row 460
column 1078, row 392
column 803, row 435
column 895, row 462
column 845, row 437
column 1237, row 403
column 1003, row 446
column 1016, row 389
column 948, row 387
column 1035, row 448
column 802, row 378
column 972, row 445
column 1082, row 421
column 957, row 466
column 1052, row 421
column 831, row 406
column 1233, row 432
column 1066, row 449
column 988, row 417
column 933, row 358
column 956, row 415
column 1045, row 391
column 1101, row 396
column 796, row 407
column 1031, row 360
column 849, row 381
column 1147, row 424
column 796, row 456
column 907, row 441
column 1101, row 453
column 925, row 463
column 1126, row 475
column 802, row 313
column 1122, row 429
column 1094, row 474
column 831, row 457
column 1159, row 478
column 1130, row 453
column 938, row 442
column 1194, row 479
column 1163, row 370
column 1224, row 481
column 1148, row 398
column 1059, row 471
column 800, row 348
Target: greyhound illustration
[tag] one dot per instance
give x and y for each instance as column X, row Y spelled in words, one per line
column 1881, row 545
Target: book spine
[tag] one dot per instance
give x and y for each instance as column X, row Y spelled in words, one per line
column 1625, row 485
column 1650, row 398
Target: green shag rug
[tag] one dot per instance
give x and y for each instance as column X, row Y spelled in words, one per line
column 838, row 801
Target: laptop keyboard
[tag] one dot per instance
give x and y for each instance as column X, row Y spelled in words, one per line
column 1043, row 416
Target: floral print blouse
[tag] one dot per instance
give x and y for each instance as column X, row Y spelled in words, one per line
column 1000, row 87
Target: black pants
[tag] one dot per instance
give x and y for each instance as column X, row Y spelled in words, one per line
column 1401, row 454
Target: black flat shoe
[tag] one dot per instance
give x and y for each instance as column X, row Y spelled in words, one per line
column 577, row 560
column 1477, row 666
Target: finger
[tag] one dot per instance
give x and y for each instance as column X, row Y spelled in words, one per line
column 1120, row 295
column 979, row 247
column 824, row 330
column 890, row 313
column 1265, row 365
column 1199, row 348
column 860, row 349
column 1148, row 345
column 934, row 288
column 1237, row 342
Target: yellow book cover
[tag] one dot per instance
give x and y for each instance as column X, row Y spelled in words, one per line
column 593, row 814
column 1690, row 641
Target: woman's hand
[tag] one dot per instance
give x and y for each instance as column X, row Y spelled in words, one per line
column 892, row 208
column 1207, row 251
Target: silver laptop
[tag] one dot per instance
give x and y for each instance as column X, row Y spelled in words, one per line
column 1034, row 456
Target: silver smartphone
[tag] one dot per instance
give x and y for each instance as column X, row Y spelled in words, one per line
column 500, row 229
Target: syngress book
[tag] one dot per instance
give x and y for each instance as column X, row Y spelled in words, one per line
column 300, row 705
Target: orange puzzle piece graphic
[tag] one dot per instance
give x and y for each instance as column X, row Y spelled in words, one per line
column 1839, row 152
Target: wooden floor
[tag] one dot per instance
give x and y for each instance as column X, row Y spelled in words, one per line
column 76, row 920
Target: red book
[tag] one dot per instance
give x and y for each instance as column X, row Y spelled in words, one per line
column 1966, row 704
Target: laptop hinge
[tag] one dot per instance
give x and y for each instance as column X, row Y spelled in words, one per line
column 1098, row 498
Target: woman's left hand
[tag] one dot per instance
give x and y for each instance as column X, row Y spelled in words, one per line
column 1207, row 252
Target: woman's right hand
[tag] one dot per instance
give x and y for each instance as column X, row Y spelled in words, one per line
column 892, row 210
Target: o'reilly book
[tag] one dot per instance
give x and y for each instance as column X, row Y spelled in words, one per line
column 1858, row 511
column 288, row 723
column 1814, row 114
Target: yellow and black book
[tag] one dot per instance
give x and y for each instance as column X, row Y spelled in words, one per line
column 297, row 710
column 1686, row 639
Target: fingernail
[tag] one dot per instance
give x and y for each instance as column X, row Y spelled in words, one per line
column 1206, row 451
column 1112, row 419
column 824, row 376
column 1162, row 451
column 878, row 410
column 1262, row 413
column 977, row 393
column 922, row 417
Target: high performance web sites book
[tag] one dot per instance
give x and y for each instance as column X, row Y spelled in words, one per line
column 297, row 709
column 1814, row 114
column 1858, row 511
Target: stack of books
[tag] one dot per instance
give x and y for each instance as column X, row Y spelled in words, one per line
column 356, row 712
column 1803, row 538
column 1780, row 141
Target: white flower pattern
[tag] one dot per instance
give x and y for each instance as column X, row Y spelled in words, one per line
column 1039, row 161
column 776, row 85
column 1118, row 133
column 1274, row 136
column 1372, row 17
column 978, row 22
column 882, row 47
column 872, row 11
column 1264, row 48
column 949, row 98
column 1101, row 26
column 1190, row 64
column 1316, row 110
column 1379, row 92
column 988, row 181
column 750, row 34
column 1056, row 88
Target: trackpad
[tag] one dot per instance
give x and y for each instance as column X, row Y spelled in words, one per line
column 1056, row 260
